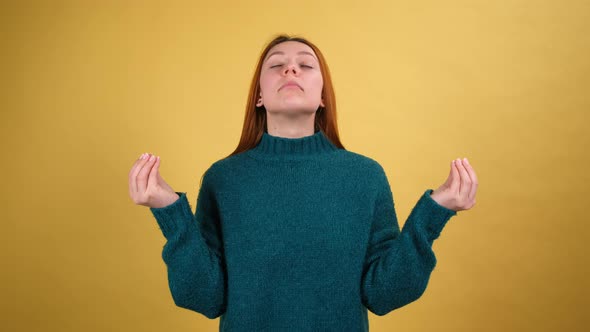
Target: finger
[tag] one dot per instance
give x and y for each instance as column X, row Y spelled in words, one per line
column 455, row 181
column 473, row 177
column 142, row 176
column 133, row 173
column 465, row 180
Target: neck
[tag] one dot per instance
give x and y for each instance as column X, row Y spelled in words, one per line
column 293, row 125
column 281, row 148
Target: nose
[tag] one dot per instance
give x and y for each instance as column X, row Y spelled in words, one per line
column 291, row 67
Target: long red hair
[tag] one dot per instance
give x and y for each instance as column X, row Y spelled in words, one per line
column 255, row 118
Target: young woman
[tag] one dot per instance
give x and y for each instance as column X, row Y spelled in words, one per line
column 291, row 231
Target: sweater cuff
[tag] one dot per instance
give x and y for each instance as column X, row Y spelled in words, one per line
column 173, row 217
column 438, row 215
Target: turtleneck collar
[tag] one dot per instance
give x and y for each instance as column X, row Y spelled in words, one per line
column 282, row 148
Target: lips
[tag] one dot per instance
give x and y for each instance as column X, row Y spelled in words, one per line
column 291, row 84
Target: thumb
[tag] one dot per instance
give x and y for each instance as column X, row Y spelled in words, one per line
column 449, row 180
column 454, row 183
column 153, row 178
column 158, row 178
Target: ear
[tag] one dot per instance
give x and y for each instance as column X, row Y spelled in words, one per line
column 259, row 102
column 322, row 103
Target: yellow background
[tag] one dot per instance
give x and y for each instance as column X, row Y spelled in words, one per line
column 87, row 86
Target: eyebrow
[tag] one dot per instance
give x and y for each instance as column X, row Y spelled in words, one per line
column 282, row 53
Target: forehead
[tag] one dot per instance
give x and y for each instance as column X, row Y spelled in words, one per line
column 290, row 48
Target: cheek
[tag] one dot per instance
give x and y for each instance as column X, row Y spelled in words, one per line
column 319, row 84
column 265, row 82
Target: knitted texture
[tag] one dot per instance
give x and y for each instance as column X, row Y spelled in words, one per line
column 297, row 235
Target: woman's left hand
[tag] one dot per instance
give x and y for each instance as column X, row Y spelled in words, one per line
column 458, row 192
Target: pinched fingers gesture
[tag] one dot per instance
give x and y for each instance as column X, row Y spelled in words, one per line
column 146, row 186
column 458, row 191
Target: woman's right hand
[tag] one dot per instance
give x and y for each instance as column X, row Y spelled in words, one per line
column 146, row 186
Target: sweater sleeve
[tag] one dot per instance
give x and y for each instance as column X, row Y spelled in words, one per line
column 398, row 264
column 193, row 252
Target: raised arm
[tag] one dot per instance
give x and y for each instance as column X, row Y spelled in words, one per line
column 193, row 252
column 398, row 264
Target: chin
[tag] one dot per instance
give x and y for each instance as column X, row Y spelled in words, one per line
column 296, row 108
column 293, row 110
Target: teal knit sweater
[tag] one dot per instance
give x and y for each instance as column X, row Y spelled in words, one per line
column 297, row 235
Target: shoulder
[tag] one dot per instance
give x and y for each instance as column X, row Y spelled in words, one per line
column 365, row 172
column 221, row 170
column 363, row 162
column 368, row 169
column 229, row 164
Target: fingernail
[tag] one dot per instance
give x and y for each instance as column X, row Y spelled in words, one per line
column 152, row 157
column 467, row 161
column 142, row 156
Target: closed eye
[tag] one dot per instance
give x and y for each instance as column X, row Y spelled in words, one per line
column 302, row 65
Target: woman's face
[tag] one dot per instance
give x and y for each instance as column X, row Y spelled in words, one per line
column 290, row 79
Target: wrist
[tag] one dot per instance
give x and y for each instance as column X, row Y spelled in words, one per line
column 169, row 200
column 437, row 198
